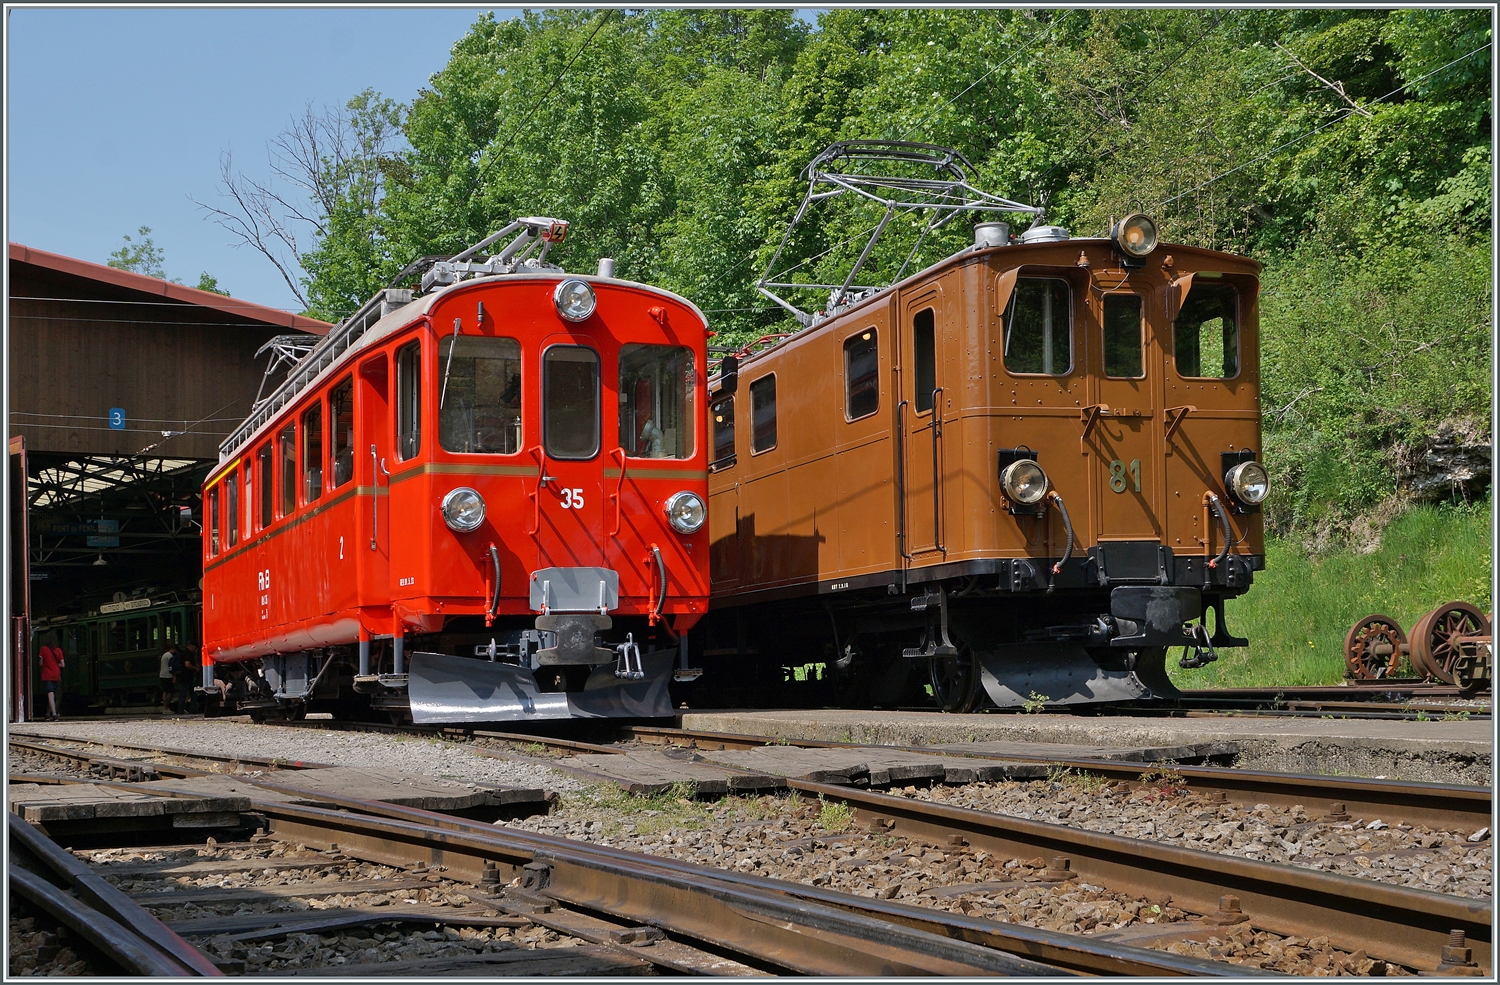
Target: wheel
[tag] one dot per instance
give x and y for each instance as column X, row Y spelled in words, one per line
column 1432, row 638
column 955, row 681
column 1372, row 650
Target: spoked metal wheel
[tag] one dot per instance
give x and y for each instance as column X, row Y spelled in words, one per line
column 1433, row 639
column 955, row 680
column 1373, row 648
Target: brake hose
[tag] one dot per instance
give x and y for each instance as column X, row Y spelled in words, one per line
column 1068, row 526
column 1218, row 508
column 489, row 616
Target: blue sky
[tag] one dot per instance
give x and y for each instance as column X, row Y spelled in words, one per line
column 115, row 116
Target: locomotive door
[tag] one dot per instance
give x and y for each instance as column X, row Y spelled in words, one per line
column 372, row 461
column 919, row 426
column 567, row 498
column 1120, row 436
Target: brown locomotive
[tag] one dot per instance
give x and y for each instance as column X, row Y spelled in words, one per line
column 1022, row 473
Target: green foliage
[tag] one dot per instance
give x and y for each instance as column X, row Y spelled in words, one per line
column 834, row 817
column 144, row 257
column 208, row 282
column 1035, row 703
column 1348, row 150
column 1301, row 607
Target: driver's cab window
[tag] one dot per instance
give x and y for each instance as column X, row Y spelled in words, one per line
column 1123, row 336
column 1038, row 327
column 656, row 401
column 1206, row 338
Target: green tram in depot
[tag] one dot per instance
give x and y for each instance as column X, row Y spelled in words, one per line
column 113, row 657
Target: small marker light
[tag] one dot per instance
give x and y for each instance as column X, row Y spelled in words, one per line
column 1024, row 482
column 686, row 512
column 463, row 510
column 1248, row 483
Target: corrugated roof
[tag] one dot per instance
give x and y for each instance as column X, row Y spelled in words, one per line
column 132, row 281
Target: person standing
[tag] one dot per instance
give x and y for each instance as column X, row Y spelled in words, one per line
column 52, row 665
column 168, row 685
column 188, row 672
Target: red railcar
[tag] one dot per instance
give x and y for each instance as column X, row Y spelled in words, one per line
column 486, row 503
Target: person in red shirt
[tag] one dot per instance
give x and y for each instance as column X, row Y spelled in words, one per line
column 52, row 665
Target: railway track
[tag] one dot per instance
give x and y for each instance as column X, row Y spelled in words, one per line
column 1411, row 927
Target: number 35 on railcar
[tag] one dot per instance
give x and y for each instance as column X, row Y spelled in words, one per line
column 487, row 503
column 1016, row 476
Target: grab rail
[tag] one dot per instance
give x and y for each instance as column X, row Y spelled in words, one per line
column 937, row 499
column 619, row 490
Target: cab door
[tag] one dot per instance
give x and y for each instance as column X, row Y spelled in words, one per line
column 1121, row 425
column 373, row 458
column 919, row 425
column 568, row 498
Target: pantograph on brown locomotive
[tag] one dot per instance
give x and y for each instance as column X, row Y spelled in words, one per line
column 1026, row 470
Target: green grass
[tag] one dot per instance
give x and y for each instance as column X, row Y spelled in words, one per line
column 1300, row 607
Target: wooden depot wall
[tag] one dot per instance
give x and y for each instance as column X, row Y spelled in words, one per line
column 81, row 346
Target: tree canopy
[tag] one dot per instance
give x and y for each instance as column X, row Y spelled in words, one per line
column 1348, row 150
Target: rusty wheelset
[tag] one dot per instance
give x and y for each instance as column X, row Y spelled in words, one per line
column 1452, row 643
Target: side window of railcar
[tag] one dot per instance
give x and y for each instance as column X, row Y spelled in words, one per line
column 263, row 476
column 341, row 438
column 656, row 401
column 1206, row 333
column 213, row 521
column 232, row 509
column 1039, row 327
column 312, row 452
column 924, row 358
column 287, row 439
column 763, row 414
column 479, row 396
column 1122, row 335
column 409, row 401
column 861, row 375
column 723, row 415
column 570, row 402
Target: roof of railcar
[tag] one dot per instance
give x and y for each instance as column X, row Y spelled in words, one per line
column 404, row 316
column 970, row 254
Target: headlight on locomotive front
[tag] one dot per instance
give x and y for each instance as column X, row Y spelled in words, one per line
column 1248, row 483
column 686, row 512
column 1024, row 482
column 1135, row 235
column 574, row 299
column 463, row 510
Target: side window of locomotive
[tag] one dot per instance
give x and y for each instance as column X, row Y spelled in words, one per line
column 213, row 521
column 861, row 375
column 924, row 359
column 723, row 415
column 267, row 492
column 312, row 453
column 341, row 438
column 1039, row 327
column 287, row 441
column 763, row 414
column 409, row 401
column 1122, row 335
column 232, row 509
column 570, row 402
column 656, row 401
column 479, row 396
column 1206, row 333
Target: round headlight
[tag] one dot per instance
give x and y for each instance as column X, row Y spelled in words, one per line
column 686, row 512
column 463, row 510
column 1024, row 482
column 1135, row 235
column 1248, row 482
column 574, row 299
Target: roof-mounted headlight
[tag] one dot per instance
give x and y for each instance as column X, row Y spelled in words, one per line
column 1135, row 235
column 686, row 512
column 1248, row 483
column 574, row 299
column 1024, row 482
column 463, row 510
